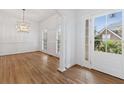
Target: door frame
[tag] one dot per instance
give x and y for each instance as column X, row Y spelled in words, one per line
column 109, row 54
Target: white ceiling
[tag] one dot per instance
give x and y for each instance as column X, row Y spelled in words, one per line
column 31, row 14
column 42, row 14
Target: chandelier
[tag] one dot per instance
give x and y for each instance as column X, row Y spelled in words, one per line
column 23, row 26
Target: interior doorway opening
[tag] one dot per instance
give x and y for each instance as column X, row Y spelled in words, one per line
column 52, row 39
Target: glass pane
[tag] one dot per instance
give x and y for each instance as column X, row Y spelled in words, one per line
column 114, row 33
column 58, row 43
column 58, row 40
column 44, row 40
column 100, row 33
column 114, row 25
column 99, row 27
column 114, row 46
column 86, row 39
column 100, row 45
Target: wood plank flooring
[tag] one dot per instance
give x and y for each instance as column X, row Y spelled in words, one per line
column 40, row 68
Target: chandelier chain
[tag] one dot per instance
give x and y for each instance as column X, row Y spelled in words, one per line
column 23, row 15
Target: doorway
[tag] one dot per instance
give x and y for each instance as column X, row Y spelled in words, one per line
column 103, row 43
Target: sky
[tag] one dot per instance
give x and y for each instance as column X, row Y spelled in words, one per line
column 101, row 22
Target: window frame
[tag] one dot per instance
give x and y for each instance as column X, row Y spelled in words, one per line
column 106, row 14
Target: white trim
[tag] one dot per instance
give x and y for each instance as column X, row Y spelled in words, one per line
column 61, row 70
column 107, row 13
column 62, row 63
column 120, row 57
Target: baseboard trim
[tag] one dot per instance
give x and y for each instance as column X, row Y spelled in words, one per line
column 19, row 53
column 92, row 69
column 49, row 54
column 61, row 70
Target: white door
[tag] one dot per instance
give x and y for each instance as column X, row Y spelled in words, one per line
column 107, row 53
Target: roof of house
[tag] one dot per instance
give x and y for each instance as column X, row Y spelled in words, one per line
column 110, row 32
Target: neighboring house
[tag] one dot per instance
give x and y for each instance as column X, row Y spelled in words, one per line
column 111, row 35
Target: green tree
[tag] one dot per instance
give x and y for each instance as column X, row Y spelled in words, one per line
column 114, row 46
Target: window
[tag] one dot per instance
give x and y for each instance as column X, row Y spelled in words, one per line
column 99, row 33
column 44, row 40
column 86, row 39
column 58, row 40
column 108, row 33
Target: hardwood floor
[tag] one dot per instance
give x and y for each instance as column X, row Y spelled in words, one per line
column 40, row 68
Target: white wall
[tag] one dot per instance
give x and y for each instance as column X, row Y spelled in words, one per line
column 70, row 36
column 12, row 41
column 105, row 62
